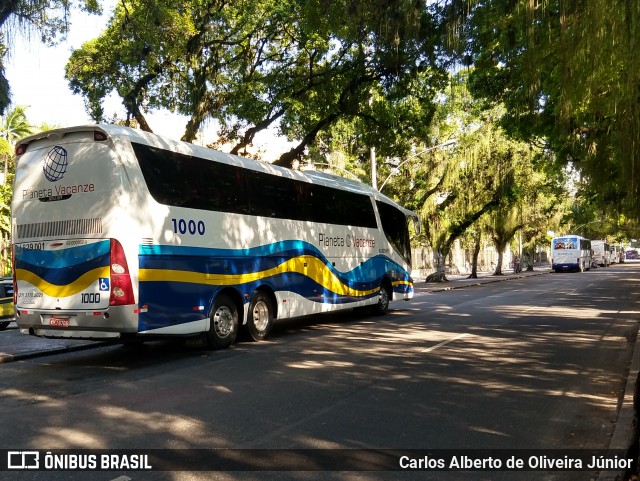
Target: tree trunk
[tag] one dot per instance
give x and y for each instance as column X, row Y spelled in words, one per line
column 3, row 265
column 498, row 271
column 249, row 135
column 530, row 260
column 440, row 275
column 286, row 159
column 474, row 261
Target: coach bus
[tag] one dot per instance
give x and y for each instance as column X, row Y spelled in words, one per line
column 616, row 255
column 570, row 253
column 118, row 233
column 601, row 253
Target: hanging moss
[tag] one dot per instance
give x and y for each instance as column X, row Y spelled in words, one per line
column 568, row 72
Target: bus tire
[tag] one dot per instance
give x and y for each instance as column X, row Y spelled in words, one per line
column 259, row 317
column 382, row 306
column 4, row 325
column 223, row 327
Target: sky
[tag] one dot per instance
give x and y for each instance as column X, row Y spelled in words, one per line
column 36, row 77
column 36, row 72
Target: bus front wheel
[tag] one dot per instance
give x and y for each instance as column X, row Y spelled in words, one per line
column 260, row 318
column 223, row 327
column 382, row 307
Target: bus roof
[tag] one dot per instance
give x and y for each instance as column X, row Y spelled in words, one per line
column 574, row 236
column 158, row 141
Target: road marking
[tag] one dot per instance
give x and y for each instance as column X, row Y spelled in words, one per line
column 444, row 343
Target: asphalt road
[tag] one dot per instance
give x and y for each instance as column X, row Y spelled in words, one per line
column 534, row 363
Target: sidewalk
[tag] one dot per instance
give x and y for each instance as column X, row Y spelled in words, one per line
column 459, row 281
column 15, row 346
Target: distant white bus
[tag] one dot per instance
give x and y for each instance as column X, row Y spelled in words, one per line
column 617, row 254
column 570, row 253
column 120, row 233
column 601, row 253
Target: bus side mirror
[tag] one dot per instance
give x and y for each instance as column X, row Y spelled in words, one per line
column 417, row 225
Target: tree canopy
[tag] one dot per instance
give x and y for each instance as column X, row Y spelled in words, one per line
column 533, row 91
column 297, row 66
column 48, row 18
column 568, row 74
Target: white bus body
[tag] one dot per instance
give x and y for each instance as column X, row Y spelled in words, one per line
column 117, row 232
column 570, row 253
column 601, row 253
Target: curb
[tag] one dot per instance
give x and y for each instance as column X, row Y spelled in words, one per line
column 7, row 358
column 625, row 433
column 484, row 280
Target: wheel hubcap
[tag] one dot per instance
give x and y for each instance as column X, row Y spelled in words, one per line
column 223, row 321
column 260, row 316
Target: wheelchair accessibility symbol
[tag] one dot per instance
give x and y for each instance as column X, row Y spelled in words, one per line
column 104, row 283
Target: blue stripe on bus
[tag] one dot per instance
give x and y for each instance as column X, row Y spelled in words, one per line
column 63, row 258
column 62, row 267
column 259, row 251
column 185, row 296
column 244, row 261
column 172, row 302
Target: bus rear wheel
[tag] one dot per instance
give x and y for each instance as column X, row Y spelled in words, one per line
column 223, row 327
column 260, row 317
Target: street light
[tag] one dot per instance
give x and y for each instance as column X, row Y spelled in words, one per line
column 397, row 167
column 576, row 229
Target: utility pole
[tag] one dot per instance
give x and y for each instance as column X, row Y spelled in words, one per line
column 374, row 169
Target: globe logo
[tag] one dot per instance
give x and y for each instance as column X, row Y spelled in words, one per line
column 55, row 164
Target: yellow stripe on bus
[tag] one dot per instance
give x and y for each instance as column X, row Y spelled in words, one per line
column 307, row 265
column 54, row 290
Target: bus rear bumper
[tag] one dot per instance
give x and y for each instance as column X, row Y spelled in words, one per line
column 99, row 325
column 61, row 334
column 568, row 266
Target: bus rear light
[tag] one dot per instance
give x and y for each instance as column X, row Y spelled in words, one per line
column 118, row 269
column 118, row 292
column 15, row 282
column 21, row 149
column 121, row 288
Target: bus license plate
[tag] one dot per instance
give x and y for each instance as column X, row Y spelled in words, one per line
column 59, row 322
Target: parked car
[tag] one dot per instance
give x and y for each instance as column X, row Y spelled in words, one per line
column 631, row 254
column 7, row 312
